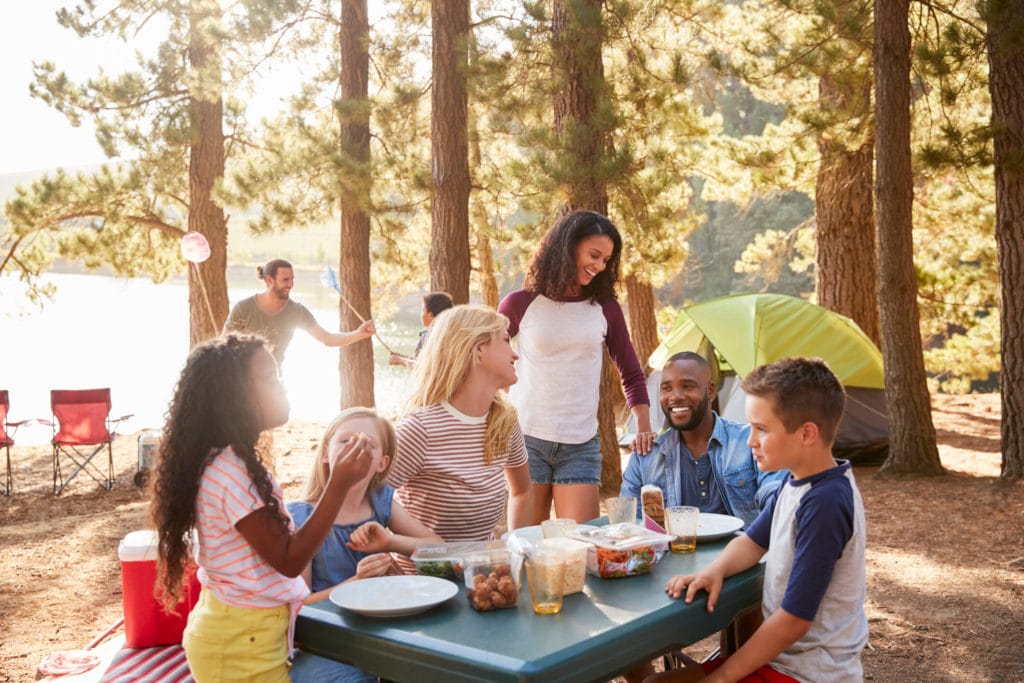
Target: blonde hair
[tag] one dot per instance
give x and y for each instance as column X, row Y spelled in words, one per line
column 446, row 359
column 320, row 471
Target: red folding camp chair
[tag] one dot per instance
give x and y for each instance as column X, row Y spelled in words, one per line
column 7, row 430
column 82, row 422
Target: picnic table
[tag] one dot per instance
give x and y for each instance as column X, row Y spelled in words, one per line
column 600, row 633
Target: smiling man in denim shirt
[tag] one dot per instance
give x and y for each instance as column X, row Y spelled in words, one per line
column 703, row 459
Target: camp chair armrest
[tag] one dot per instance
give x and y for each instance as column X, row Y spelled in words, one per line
column 30, row 420
column 113, row 424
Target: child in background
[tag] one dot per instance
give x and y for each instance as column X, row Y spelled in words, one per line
column 214, row 499
column 370, row 524
column 433, row 304
column 811, row 532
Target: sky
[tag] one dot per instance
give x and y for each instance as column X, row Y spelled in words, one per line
column 32, row 135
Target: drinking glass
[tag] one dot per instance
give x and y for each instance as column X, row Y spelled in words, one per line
column 546, row 576
column 554, row 528
column 621, row 509
column 681, row 521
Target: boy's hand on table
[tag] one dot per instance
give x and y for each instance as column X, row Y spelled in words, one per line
column 710, row 582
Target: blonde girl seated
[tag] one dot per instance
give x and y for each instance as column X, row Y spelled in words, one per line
column 211, row 485
column 371, row 522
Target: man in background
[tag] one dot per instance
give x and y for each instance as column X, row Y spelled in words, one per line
column 272, row 314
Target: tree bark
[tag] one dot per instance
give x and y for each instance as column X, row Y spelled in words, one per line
column 912, row 447
column 449, row 247
column 846, row 265
column 1005, row 19
column 643, row 325
column 486, row 277
column 207, row 281
column 582, row 134
column 355, row 361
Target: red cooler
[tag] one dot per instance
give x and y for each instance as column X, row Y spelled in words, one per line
column 146, row 624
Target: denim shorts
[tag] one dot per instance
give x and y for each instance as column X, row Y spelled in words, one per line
column 564, row 463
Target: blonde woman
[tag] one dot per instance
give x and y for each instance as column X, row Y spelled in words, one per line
column 460, row 447
column 371, row 522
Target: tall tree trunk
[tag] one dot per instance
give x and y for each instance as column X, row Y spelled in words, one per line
column 485, row 259
column 643, row 325
column 1005, row 20
column 912, row 448
column 207, row 281
column 846, row 265
column 355, row 361
column 481, row 223
column 449, row 246
column 577, row 38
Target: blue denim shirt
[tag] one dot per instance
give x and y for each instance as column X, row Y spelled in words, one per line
column 744, row 487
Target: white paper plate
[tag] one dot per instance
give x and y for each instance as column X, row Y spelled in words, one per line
column 534, row 533
column 393, row 596
column 711, row 526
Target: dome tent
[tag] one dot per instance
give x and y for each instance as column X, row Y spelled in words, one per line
column 743, row 331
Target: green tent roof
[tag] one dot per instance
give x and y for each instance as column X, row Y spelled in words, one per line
column 748, row 330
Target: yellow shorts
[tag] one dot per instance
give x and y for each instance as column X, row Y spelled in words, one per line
column 227, row 643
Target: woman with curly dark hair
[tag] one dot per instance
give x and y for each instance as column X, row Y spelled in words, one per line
column 562, row 319
column 214, row 502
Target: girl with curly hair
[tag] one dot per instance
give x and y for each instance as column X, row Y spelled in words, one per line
column 563, row 319
column 459, row 445
column 214, row 500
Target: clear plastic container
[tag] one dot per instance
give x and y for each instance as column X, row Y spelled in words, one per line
column 446, row 560
column 574, row 553
column 490, row 580
column 622, row 550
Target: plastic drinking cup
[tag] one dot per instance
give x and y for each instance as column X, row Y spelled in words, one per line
column 621, row 509
column 546, row 576
column 555, row 528
column 681, row 522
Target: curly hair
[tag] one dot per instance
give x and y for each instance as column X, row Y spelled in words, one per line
column 552, row 269
column 320, row 474
column 445, row 361
column 211, row 410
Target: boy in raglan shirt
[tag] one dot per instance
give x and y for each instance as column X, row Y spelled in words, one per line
column 812, row 535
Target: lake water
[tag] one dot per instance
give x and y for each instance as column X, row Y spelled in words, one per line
column 132, row 335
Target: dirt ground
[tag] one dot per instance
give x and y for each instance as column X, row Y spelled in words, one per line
column 945, row 555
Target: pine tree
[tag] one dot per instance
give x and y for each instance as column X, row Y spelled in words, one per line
column 166, row 120
column 912, row 445
column 1005, row 37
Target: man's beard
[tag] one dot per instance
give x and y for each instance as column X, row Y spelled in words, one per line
column 696, row 417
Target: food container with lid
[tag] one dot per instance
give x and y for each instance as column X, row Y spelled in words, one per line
column 490, row 580
column 574, row 554
column 445, row 560
column 621, row 550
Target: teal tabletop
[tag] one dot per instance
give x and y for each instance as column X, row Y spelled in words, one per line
column 601, row 632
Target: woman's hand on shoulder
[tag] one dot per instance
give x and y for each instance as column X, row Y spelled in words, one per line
column 370, row 537
column 379, row 564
